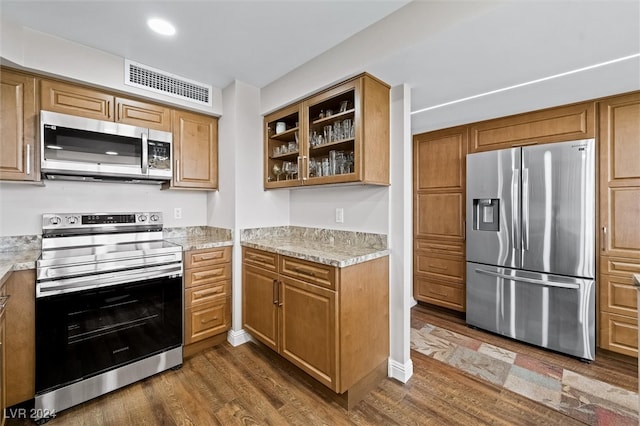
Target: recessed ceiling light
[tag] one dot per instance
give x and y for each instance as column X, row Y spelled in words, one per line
column 54, row 147
column 161, row 26
column 111, row 153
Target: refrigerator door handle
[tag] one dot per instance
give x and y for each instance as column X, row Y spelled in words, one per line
column 515, row 204
column 529, row 280
column 525, row 209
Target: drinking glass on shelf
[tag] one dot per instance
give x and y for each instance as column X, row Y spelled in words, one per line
column 328, row 133
column 337, row 131
column 343, row 106
column 276, row 151
column 347, row 128
column 293, row 146
column 277, row 171
column 325, row 166
column 332, row 162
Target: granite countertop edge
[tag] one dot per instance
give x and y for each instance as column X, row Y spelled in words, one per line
column 319, row 254
column 198, row 243
column 636, row 280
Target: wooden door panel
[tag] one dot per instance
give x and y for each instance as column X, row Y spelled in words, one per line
column 195, row 139
column 310, row 344
column 440, row 216
column 440, row 160
column 259, row 312
column 76, row 100
column 18, row 146
column 619, row 334
column 618, row 295
column 143, row 114
column 624, row 232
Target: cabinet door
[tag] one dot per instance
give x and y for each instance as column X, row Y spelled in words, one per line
column 308, row 321
column 76, row 100
column 260, row 304
column 18, row 128
column 20, row 339
column 550, row 125
column 283, row 140
column 195, row 149
column 207, row 320
column 620, row 176
column 143, row 114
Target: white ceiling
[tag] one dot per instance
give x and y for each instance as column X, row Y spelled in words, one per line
column 216, row 41
column 443, row 50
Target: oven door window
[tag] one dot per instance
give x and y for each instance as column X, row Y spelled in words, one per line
column 79, row 335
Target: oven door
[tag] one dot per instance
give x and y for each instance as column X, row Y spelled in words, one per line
column 82, row 334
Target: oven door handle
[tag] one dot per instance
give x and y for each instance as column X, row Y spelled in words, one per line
column 93, row 281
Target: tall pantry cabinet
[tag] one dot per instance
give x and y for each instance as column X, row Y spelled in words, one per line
column 439, row 217
column 619, row 139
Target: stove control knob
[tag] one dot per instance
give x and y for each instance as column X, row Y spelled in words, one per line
column 72, row 220
column 55, row 220
column 142, row 218
column 154, row 218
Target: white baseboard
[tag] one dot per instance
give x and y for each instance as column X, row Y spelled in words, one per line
column 399, row 371
column 237, row 338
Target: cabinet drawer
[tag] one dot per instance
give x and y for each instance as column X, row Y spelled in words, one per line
column 439, row 247
column 315, row 273
column 207, row 293
column 262, row 259
column 442, row 293
column 619, row 266
column 208, row 274
column 619, row 333
column 449, row 268
column 206, row 321
column 618, row 295
column 206, row 257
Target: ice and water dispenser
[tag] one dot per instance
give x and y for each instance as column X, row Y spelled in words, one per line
column 486, row 214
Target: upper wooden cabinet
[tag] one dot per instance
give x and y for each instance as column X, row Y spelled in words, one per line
column 143, row 114
column 551, row 125
column 339, row 135
column 87, row 102
column 195, row 151
column 19, row 148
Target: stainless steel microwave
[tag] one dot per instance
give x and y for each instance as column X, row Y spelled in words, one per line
column 78, row 148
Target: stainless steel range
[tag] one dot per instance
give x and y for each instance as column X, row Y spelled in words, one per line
column 109, row 305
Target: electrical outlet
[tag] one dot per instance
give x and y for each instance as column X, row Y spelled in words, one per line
column 177, row 213
column 339, row 215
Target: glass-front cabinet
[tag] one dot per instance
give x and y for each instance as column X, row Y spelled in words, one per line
column 339, row 135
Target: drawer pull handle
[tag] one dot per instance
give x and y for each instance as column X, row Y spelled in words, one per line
column 205, row 293
column 202, row 258
column 304, row 272
column 214, row 273
column 443, row 268
column 204, row 321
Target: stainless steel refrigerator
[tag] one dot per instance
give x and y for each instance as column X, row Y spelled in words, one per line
column 531, row 245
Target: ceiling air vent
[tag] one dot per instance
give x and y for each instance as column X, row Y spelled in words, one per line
column 148, row 78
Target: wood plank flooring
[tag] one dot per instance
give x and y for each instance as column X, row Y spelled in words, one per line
column 250, row 385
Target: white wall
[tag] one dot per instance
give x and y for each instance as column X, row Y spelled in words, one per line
column 22, row 205
column 365, row 208
column 242, row 203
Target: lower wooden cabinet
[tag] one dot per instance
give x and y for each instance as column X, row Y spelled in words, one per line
column 20, row 338
column 333, row 323
column 207, row 298
column 618, row 303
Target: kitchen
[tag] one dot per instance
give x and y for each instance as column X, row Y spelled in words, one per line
column 381, row 210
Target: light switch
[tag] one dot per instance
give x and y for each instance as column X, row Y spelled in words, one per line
column 339, row 215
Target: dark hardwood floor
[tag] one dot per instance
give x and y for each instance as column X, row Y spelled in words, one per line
column 250, row 385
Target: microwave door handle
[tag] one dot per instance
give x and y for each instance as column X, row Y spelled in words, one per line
column 145, row 153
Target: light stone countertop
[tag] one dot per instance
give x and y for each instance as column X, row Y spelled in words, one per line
column 16, row 261
column 318, row 246
column 200, row 242
column 636, row 279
